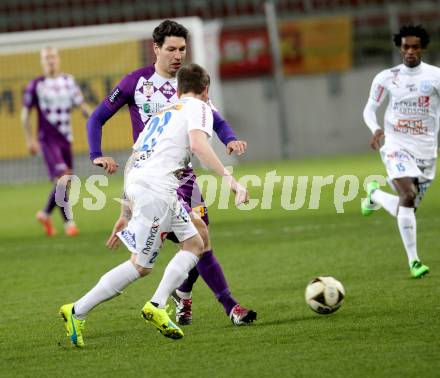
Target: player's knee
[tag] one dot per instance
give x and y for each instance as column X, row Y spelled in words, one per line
column 203, row 232
column 408, row 198
column 141, row 269
column 194, row 244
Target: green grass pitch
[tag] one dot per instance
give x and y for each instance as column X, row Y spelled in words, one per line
column 388, row 326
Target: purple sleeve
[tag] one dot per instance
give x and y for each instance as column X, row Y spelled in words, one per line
column 120, row 95
column 223, row 129
column 94, row 129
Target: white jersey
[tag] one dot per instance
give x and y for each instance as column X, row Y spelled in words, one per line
column 162, row 150
column 411, row 119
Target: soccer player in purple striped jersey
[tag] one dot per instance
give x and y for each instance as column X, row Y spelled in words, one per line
column 146, row 91
column 54, row 95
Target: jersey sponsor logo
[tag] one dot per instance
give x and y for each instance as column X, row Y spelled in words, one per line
column 378, row 92
column 152, row 107
column 151, row 236
column 167, row 90
column 114, row 95
column 129, row 237
column 398, row 155
column 425, row 87
column 419, row 106
column 411, row 87
column 411, row 127
column 423, row 101
column 148, row 88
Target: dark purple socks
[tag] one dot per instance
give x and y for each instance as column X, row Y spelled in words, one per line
column 211, row 271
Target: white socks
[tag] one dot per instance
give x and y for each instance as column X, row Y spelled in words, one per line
column 174, row 275
column 406, row 221
column 389, row 202
column 113, row 282
column 110, row 285
column 183, row 295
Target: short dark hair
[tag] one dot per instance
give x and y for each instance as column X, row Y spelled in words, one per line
column 168, row 28
column 412, row 31
column 192, row 78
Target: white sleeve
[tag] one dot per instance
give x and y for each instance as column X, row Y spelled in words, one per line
column 199, row 116
column 378, row 93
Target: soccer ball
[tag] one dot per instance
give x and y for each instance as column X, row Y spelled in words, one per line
column 325, row 295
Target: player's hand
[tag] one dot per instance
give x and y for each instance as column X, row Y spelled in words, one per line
column 113, row 241
column 106, row 162
column 237, row 146
column 241, row 193
column 376, row 140
column 33, row 147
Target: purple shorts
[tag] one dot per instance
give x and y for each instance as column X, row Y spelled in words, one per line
column 57, row 156
column 190, row 195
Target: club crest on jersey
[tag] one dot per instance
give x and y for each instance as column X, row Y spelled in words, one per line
column 425, row 87
column 148, row 88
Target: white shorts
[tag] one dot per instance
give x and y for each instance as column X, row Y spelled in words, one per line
column 400, row 163
column 153, row 217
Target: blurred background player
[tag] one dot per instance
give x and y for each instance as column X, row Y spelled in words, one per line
column 161, row 151
column 410, row 131
column 53, row 94
column 146, row 91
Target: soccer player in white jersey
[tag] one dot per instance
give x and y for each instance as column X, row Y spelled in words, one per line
column 54, row 95
column 146, row 91
column 410, row 130
column 161, row 153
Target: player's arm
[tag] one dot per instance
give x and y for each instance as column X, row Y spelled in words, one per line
column 227, row 135
column 377, row 95
column 111, row 104
column 113, row 241
column 30, row 140
column 86, row 110
column 94, row 134
column 29, row 100
column 202, row 149
column 126, row 213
